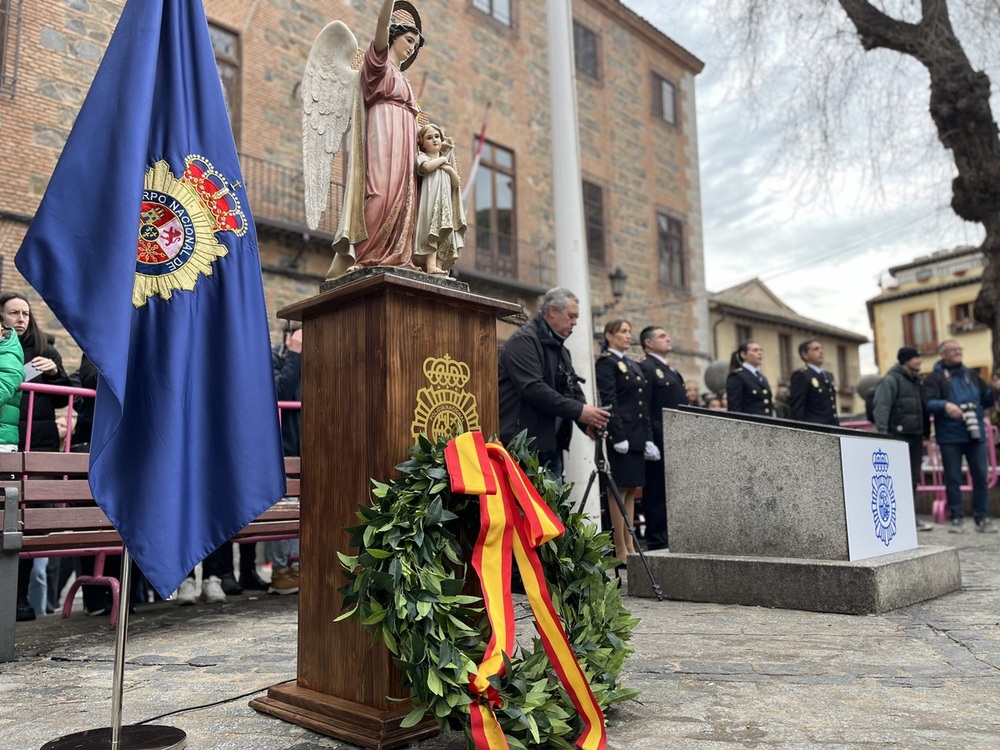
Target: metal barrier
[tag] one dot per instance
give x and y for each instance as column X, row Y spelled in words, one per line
column 932, row 471
column 30, row 389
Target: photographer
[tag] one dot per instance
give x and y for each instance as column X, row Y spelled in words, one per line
column 956, row 396
column 539, row 389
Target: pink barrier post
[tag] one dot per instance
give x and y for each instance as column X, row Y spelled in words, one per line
column 932, row 467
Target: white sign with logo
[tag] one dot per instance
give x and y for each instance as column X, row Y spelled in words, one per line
column 878, row 495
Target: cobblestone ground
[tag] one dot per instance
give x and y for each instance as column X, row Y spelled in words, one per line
column 711, row 676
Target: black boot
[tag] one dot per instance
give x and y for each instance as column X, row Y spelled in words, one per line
column 230, row 586
column 25, row 611
column 250, row 581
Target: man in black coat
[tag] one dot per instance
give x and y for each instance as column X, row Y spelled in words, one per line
column 539, row 390
column 814, row 395
column 668, row 392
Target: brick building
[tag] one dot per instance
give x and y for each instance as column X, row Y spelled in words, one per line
column 637, row 124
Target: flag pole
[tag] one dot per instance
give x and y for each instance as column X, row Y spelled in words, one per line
column 572, row 268
column 117, row 737
column 471, row 179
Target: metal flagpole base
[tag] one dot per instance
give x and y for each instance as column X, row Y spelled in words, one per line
column 142, row 737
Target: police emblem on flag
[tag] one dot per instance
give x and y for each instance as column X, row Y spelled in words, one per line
column 883, row 498
column 178, row 221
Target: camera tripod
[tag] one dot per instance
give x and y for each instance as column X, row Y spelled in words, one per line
column 601, row 469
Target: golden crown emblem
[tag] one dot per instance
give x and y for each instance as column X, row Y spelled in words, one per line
column 445, row 372
column 444, row 408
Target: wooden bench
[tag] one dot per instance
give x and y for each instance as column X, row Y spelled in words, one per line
column 48, row 511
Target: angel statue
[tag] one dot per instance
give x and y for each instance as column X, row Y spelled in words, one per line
column 378, row 220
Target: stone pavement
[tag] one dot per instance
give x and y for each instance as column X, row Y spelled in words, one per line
column 712, row 676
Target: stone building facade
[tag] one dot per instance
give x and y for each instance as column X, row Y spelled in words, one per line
column 752, row 312
column 928, row 301
column 637, row 125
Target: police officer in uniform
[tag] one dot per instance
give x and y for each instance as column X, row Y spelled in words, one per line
column 813, row 394
column 667, row 391
column 622, row 385
column 747, row 390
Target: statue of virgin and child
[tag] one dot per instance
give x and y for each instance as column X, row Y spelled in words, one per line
column 402, row 197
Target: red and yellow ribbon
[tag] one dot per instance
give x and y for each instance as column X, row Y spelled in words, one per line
column 507, row 534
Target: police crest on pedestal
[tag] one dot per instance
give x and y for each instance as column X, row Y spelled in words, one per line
column 445, row 404
column 883, row 498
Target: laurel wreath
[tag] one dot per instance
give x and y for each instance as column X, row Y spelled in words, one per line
column 407, row 584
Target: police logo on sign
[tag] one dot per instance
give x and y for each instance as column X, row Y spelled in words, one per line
column 883, row 498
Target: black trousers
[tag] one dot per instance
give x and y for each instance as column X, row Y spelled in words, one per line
column 916, row 446
column 654, row 505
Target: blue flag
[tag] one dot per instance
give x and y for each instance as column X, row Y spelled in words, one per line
column 144, row 248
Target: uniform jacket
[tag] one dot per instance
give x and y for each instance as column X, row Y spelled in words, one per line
column 957, row 385
column 622, row 385
column 747, row 395
column 666, row 391
column 898, row 408
column 813, row 397
column 11, row 375
column 538, row 387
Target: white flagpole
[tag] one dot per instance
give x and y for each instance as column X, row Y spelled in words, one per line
column 572, row 268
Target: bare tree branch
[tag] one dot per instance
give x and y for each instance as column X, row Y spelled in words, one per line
column 831, row 85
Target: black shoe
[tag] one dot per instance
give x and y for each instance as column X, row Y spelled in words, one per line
column 250, row 581
column 25, row 612
column 230, row 586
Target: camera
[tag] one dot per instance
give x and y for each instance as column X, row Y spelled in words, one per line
column 568, row 381
column 970, row 416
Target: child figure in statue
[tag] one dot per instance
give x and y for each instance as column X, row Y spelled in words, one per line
column 440, row 215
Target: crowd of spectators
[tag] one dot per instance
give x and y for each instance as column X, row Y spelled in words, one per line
column 28, row 355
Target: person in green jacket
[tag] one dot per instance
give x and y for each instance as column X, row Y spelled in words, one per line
column 11, row 375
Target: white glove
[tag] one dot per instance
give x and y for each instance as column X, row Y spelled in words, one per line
column 651, row 452
column 621, row 447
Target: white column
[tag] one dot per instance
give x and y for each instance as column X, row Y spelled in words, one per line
column 572, row 267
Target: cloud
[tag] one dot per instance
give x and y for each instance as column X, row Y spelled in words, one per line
column 821, row 247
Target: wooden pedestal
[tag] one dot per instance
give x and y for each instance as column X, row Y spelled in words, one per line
column 384, row 357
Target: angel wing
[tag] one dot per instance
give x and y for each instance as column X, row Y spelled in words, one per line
column 329, row 85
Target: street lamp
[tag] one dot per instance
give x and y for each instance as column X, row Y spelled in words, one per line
column 618, row 278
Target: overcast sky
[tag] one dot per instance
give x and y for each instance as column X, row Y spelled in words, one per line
column 822, row 257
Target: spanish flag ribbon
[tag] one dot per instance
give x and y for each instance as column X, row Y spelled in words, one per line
column 513, row 522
